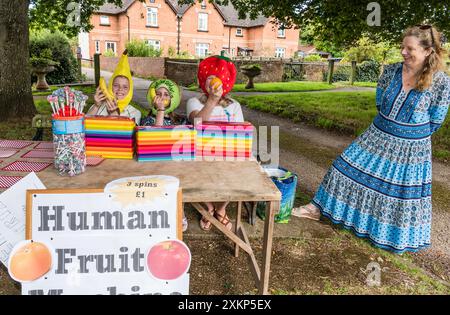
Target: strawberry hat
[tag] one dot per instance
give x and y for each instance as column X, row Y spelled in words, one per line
column 219, row 66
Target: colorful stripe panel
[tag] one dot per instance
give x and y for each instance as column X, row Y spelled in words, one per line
column 224, row 141
column 110, row 137
column 165, row 143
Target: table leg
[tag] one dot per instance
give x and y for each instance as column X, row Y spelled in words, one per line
column 236, row 226
column 271, row 209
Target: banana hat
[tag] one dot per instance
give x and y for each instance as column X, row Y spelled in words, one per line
column 174, row 91
column 122, row 69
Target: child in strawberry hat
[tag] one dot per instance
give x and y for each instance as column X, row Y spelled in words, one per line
column 216, row 77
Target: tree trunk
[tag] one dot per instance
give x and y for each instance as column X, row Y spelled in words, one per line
column 16, row 99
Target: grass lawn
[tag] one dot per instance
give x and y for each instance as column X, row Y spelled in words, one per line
column 347, row 112
column 293, row 86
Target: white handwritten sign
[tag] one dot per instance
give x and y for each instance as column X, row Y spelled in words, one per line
column 100, row 240
column 12, row 214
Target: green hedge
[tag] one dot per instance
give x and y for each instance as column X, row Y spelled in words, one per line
column 367, row 71
column 57, row 43
column 138, row 48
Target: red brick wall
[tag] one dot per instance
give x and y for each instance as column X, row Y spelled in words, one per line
column 140, row 66
column 190, row 34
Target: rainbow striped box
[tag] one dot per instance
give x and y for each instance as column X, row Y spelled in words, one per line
column 110, row 137
column 165, row 143
column 224, row 141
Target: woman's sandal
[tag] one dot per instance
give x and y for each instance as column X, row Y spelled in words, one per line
column 205, row 224
column 306, row 212
column 224, row 219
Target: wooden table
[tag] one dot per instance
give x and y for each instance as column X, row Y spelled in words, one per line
column 217, row 181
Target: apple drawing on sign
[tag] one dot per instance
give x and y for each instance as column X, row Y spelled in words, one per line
column 29, row 261
column 168, row 260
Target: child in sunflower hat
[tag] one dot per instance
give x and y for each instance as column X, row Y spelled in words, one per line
column 164, row 97
column 114, row 100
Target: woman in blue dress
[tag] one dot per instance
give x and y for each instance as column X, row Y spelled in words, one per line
column 380, row 186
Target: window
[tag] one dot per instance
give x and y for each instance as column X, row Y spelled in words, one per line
column 203, row 21
column 152, row 1
column 155, row 44
column 204, row 4
column 152, row 17
column 201, row 50
column 279, row 52
column 97, row 46
column 281, row 32
column 239, row 32
column 111, row 46
column 104, row 20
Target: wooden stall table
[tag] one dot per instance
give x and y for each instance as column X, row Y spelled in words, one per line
column 240, row 181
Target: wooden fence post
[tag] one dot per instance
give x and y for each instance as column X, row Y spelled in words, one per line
column 353, row 76
column 97, row 68
column 330, row 71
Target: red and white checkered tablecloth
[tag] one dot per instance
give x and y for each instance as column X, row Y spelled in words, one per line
column 20, row 166
column 7, row 181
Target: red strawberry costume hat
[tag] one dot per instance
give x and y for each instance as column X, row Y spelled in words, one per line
column 219, row 66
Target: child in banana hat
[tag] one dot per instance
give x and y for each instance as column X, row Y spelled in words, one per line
column 114, row 100
column 164, row 97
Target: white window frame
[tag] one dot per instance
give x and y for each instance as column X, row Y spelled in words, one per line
column 152, row 16
column 281, row 32
column 201, row 49
column 97, row 46
column 280, row 52
column 114, row 45
column 240, row 33
column 154, row 43
column 201, row 21
column 104, row 20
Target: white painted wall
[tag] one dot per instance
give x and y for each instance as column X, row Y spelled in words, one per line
column 83, row 42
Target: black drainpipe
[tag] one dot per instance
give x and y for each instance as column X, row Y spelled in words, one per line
column 229, row 40
column 179, row 33
column 128, row 26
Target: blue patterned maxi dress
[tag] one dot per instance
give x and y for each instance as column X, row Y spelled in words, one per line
column 380, row 186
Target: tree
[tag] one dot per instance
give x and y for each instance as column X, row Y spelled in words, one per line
column 15, row 85
column 344, row 22
column 16, row 100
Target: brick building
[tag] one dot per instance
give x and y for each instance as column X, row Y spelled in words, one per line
column 199, row 29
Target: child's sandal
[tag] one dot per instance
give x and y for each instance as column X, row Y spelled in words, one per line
column 225, row 220
column 205, row 224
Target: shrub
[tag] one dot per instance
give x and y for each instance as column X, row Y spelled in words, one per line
column 54, row 46
column 368, row 71
column 313, row 57
column 109, row 53
column 139, row 48
column 43, row 60
column 341, row 73
column 252, row 67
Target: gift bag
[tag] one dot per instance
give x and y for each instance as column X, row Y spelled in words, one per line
column 286, row 182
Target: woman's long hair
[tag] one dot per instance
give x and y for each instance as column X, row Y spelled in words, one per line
column 429, row 38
